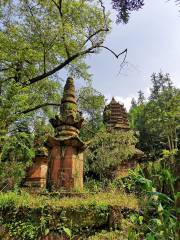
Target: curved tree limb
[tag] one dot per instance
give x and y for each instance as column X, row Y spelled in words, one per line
column 37, row 107
column 116, row 55
column 61, row 65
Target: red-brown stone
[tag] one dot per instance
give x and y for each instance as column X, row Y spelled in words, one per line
column 65, row 166
column 36, row 175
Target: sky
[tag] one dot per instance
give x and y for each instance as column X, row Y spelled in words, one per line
column 152, row 38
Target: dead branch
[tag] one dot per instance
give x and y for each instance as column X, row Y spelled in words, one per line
column 116, row 55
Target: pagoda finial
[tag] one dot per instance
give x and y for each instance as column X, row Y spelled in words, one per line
column 68, row 102
column 70, row 121
column 69, row 91
column 113, row 100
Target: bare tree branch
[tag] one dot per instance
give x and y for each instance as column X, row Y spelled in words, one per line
column 55, row 3
column 104, row 13
column 94, row 34
column 59, row 7
column 116, row 55
column 73, row 57
column 60, row 66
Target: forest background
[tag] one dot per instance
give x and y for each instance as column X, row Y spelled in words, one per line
column 41, row 38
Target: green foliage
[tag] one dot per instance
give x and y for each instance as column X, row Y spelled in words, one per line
column 109, row 150
column 112, row 235
column 67, row 27
column 92, row 185
column 161, row 172
column 11, row 175
column 41, row 131
column 18, row 148
column 91, row 104
column 157, row 219
column 157, row 120
column 16, row 155
column 23, row 230
column 34, row 216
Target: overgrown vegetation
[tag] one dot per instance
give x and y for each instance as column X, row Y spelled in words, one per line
column 39, row 39
column 157, row 118
column 107, row 151
column 35, row 216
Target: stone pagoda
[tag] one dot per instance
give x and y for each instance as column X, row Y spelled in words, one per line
column 36, row 175
column 65, row 149
column 116, row 119
column 115, row 116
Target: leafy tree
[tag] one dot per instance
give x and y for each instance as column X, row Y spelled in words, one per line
column 141, row 97
column 74, row 29
column 16, row 155
column 160, row 83
column 133, row 103
column 165, row 116
column 30, row 60
column 107, row 151
column 158, row 120
column 91, row 104
column 124, row 7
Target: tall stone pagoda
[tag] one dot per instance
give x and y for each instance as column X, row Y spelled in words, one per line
column 65, row 149
column 115, row 116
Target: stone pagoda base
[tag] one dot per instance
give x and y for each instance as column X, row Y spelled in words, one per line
column 37, row 173
column 65, row 168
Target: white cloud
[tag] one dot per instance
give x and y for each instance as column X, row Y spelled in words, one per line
column 127, row 100
column 123, row 100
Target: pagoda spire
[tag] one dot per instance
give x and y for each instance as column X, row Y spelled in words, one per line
column 69, row 121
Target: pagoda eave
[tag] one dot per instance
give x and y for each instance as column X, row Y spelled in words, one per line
column 73, row 141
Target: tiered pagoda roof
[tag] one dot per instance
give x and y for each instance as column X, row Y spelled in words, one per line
column 69, row 122
column 115, row 116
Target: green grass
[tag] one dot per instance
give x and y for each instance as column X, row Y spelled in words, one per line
column 32, row 214
column 36, row 201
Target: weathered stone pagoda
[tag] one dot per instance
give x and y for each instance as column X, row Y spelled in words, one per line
column 36, row 175
column 115, row 116
column 116, row 119
column 65, row 149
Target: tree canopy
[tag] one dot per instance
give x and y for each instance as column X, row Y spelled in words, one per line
column 157, row 119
